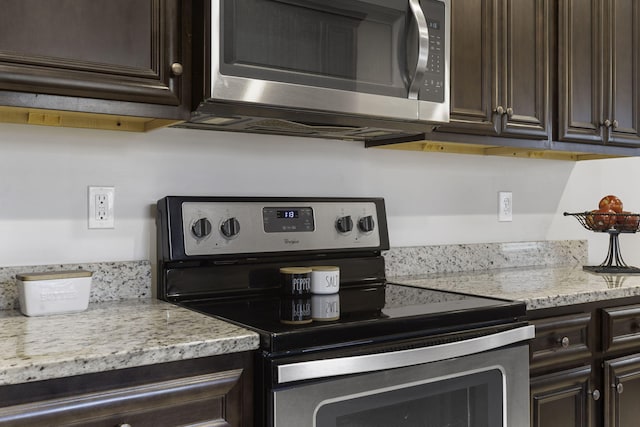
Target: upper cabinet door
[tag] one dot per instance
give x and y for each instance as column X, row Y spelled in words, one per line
column 524, row 62
column 580, row 80
column 123, row 50
column 474, row 80
column 599, row 70
column 500, row 68
column 622, row 39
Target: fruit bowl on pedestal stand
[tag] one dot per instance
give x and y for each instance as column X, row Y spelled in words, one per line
column 614, row 224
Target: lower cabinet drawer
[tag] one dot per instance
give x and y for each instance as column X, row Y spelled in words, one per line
column 197, row 400
column 560, row 341
column 621, row 328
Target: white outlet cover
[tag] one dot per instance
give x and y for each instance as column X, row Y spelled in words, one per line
column 505, row 206
column 101, row 202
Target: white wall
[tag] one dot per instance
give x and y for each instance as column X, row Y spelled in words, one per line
column 431, row 198
column 589, row 181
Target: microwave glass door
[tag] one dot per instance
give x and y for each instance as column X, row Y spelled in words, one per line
column 393, row 48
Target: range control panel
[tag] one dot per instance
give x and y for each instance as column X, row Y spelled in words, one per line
column 238, row 227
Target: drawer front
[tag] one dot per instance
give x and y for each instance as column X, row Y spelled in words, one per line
column 560, row 341
column 198, row 400
column 621, row 328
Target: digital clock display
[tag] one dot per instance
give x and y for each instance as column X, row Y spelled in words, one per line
column 287, row 219
column 433, row 25
column 287, row 213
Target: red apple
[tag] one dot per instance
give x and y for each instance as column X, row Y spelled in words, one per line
column 601, row 219
column 611, row 202
column 628, row 222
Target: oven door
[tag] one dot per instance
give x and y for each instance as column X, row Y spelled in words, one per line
column 483, row 389
column 382, row 58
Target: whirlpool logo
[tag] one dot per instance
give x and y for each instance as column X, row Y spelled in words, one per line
column 291, row 242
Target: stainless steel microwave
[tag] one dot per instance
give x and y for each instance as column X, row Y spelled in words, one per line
column 324, row 67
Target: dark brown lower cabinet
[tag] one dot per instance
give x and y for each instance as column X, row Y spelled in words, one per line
column 562, row 399
column 622, row 391
column 585, row 365
column 210, row 392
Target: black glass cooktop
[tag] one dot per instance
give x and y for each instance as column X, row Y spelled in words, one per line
column 359, row 314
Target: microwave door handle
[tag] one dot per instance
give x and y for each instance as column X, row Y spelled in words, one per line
column 423, row 48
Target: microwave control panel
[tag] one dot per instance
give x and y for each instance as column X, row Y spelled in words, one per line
column 433, row 87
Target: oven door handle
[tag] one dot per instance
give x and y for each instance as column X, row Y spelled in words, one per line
column 325, row 368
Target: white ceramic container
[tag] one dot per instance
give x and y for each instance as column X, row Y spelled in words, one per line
column 53, row 292
column 325, row 279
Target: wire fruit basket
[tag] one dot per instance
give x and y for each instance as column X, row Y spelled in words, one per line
column 613, row 224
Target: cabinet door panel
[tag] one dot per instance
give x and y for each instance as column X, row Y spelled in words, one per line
column 622, row 391
column 107, row 49
column 500, row 68
column 85, row 33
column 623, row 51
column 579, row 71
column 525, row 68
column 473, row 62
column 562, row 399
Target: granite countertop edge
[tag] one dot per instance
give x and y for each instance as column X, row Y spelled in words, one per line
column 110, row 336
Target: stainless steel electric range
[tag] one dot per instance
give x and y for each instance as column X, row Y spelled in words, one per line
column 373, row 354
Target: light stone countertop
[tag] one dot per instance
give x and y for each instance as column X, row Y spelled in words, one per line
column 139, row 330
column 108, row 336
column 538, row 287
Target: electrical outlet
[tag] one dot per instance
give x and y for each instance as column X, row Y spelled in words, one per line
column 505, row 206
column 101, row 214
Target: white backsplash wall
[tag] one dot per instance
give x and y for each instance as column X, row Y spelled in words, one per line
column 431, row 198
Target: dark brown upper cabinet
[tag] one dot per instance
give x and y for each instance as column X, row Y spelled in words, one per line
column 599, row 74
column 124, row 57
column 500, row 68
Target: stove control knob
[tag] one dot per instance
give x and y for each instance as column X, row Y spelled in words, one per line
column 344, row 224
column 230, row 228
column 201, row 228
column 366, row 224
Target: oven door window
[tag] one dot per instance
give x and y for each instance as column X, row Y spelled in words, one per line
column 472, row 400
column 487, row 389
column 358, row 46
